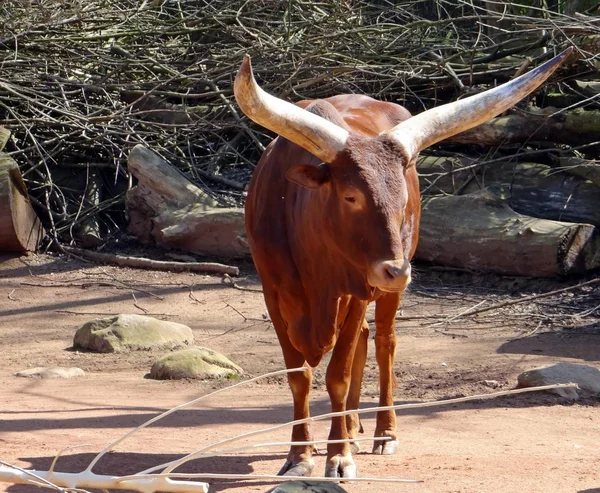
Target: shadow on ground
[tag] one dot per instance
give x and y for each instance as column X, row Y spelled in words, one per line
column 122, row 464
column 577, row 344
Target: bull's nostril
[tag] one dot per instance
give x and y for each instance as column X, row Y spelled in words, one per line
column 390, row 272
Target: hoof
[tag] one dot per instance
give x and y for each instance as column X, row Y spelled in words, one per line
column 303, row 468
column 389, row 447
column 340, row 466
column 354, row 447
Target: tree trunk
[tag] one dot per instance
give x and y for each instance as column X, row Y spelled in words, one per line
column 4, row 136
column 89, row 231
column 584, row 168
column 538, row 190
column 572, row 127
column 529, row 188
column 480, row 232
column 20, row 228
column 573, row 6
column 444, row 175
column 167, row 209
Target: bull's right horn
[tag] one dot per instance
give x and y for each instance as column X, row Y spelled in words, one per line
column 315, row 134
column 431, row 126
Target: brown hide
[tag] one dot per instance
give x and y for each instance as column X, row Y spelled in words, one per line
column 286, row 225
column 312, row 262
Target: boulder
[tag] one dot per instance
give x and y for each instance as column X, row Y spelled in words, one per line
column 194, row 363
column 47, row 373
column 586, row 376
column 131, row 332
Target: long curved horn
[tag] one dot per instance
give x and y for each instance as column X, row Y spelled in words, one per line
column 315, row 134
column 431, row 126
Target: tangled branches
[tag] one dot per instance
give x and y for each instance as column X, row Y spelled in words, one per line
column 83, row 82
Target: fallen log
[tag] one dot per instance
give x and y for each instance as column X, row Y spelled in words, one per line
column 529, row 188
column 574, row 127
column 444, row 175
column 587, row 92
column 584, row 168
column 481, row 232
column 20, row 228
column 165, row 208
column 477, row 231
column 539, row 190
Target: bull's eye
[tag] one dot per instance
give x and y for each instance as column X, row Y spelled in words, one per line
column 350, row 199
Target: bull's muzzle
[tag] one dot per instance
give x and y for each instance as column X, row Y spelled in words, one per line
column 390, row 275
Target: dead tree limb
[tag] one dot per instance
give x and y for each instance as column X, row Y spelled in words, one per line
column 145, row 263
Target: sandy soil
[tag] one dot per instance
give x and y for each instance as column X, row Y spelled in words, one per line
column 535, row 443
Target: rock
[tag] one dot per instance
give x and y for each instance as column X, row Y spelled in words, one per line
column 194, row 363
column 307, row 487
column 587, row 377
column 55, row 372
column 131, row 332
column 494, row 384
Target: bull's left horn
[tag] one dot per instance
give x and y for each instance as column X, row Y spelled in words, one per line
column 431, row 126
column 315, row 134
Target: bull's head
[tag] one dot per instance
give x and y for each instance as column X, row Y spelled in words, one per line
column 365, row 177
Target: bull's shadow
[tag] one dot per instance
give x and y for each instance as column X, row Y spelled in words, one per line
column 122, row 464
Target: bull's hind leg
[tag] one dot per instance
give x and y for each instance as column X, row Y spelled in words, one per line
column 358, row 367
column 299, row 461
column 385, row 347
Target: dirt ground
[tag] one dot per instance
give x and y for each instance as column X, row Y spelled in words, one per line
column 533, row 443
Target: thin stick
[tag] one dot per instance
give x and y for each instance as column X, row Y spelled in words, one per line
column 145, row 263
column 112, row 445
column 170, row 466
column 271, row 477
column 472, row 311
column 277, row 444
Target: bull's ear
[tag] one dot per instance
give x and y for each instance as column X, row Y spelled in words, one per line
column 309, row 176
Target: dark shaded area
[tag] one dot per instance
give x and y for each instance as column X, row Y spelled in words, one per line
column 564, row 344
column 121, row 464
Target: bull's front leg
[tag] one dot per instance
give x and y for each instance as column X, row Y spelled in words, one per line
column 339, row 371
column 385, row 349
column 299, row 461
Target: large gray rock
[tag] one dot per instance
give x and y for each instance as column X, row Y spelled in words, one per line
column 307, row 487
column 54, row 372
column 194, row 363
column 587, row 377
column 131, row 332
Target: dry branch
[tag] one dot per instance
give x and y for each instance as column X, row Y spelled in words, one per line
column 144, row 263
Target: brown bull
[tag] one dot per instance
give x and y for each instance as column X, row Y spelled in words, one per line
column 332, row 218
